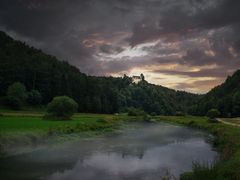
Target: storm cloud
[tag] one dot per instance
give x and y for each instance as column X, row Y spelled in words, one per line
column 189, row 44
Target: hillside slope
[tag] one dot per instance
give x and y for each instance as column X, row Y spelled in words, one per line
column 36, row 70
column 225, row 97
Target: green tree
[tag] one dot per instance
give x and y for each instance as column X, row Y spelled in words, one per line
column 16, row 95
column 135, row 112
column 213, row 113
column 236, row 104
column 62, row 107
column 97, row 106
column 34, row 97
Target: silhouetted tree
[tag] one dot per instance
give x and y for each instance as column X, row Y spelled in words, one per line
column 34, row 97
column 213, row 113
column 62, row 107
column 16, row 95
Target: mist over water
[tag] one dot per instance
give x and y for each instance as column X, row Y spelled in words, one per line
column 143, row 152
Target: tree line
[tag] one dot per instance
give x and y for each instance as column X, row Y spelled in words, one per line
column 45, row 77
column 225, row 98
column 43, row 73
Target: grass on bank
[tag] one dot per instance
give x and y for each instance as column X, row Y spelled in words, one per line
column 22, row 129
column 21, row 122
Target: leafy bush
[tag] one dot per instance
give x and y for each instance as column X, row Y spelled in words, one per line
column 153, row 114
column 62, row 107
column 16, row 95
column 135, row 112
column 236, row 104
column 213, row 113
column 34, row 97
column 180, row 113
column 147, row 118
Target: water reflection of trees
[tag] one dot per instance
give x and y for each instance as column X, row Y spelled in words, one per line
column 138, row 152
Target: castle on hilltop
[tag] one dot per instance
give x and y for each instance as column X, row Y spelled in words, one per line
column 136, row 79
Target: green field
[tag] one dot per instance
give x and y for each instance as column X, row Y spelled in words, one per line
column 24, row 122
column 25, row 128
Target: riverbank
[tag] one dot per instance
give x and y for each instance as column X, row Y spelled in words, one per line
column 21, row 131
column 28, row 129
column 226, row 142
column 25, row 130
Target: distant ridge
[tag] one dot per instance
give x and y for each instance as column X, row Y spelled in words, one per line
column 225, row 98
column 37, row 70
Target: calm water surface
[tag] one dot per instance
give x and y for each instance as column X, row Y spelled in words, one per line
column 143, row 152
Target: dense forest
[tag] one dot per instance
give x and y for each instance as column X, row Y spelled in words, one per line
column 51, row 77
column 225, row 98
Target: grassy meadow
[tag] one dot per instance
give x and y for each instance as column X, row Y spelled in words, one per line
column 26, row 128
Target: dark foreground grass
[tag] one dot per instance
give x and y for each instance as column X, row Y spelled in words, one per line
column 227, row 143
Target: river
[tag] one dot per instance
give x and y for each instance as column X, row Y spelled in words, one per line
column 141, row 152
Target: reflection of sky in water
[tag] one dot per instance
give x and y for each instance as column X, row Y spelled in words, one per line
column 142, row 154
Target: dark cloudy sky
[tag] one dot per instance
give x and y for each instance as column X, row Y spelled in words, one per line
column 189, row 45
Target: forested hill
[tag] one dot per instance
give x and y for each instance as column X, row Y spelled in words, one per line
column 51, row 77
column 225, row 98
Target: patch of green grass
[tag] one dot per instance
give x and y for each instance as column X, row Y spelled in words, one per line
column 33, row 122
column 22, row 128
